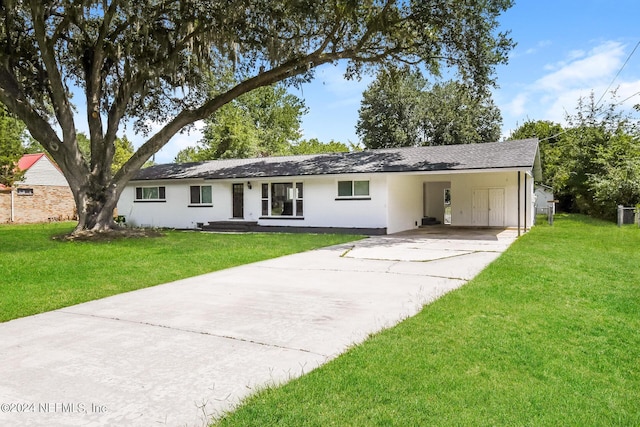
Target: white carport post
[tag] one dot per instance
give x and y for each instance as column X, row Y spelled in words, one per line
column 525, row 202
column 519, row 198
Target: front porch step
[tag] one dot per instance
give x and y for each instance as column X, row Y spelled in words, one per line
column 429, row 220
column 230, row 226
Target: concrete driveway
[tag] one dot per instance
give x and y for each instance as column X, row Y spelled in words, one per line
column 179, row 353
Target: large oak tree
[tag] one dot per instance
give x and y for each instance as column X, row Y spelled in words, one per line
column 148, row 61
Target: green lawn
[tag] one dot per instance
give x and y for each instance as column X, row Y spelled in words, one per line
column 39, row 274
column 547, row 335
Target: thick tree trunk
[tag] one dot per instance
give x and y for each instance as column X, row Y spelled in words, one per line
column 96, row 208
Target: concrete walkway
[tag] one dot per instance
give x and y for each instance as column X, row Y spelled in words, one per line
column 179, row 353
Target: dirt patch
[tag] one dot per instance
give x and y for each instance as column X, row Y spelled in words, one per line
column 109, row 235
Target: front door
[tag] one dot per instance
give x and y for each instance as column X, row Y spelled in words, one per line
column 238, row 200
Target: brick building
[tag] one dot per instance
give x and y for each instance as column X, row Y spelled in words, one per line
column 42, row 195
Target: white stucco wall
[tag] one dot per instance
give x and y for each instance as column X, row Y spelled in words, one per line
column 405, row 207
column 462, row 186
column 531, row 200
column 175, row 211
column 322, row 208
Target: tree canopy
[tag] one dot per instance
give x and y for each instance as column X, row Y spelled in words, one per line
column 263, row 122
column 315, row 146
column 550, row 135
column 593, row 163
column 12, row 137
column 392, row 108
column 401, row 109
column 454, row 113
column 149, row 61
column 123, row 150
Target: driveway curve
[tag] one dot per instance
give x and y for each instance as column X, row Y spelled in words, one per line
column 179, row 353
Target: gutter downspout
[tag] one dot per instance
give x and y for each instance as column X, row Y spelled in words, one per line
column 525, row 202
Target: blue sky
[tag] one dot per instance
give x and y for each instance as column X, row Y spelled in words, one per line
column 565, row 49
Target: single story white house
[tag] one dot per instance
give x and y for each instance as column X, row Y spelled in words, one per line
column 372, row 191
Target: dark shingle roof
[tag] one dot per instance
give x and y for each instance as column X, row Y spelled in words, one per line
column 493, row 155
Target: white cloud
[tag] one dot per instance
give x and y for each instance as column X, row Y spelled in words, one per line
column 584, row 71
column 566, row 101
column 628, row 93
column 576, row 54
column 519, row 104
column 538, row 46
column 561, row 104
column 577, row 74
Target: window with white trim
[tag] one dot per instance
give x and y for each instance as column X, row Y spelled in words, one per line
column 353, row 189
column 200, row 195
column 150, row 194
column 282, row 199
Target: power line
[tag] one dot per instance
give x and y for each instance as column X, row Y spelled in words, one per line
column 619, row 71
column 554, row 136
column 628, row 98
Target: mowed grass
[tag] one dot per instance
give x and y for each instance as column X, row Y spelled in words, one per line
column 38, row 274
column 547, row 335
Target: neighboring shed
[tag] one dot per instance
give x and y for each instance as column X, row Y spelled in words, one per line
column 372, row 191
column 42, row 195
column 544, row 199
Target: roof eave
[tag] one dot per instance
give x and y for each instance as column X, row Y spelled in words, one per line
column 523, row 168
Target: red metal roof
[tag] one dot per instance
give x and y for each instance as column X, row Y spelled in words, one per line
column 28, row 160
column 25, row 163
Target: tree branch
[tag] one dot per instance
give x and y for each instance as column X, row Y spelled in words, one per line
column 187, row 117
column 288, row 69
column 38, row 126
column 59, row 98
column 102, row 149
